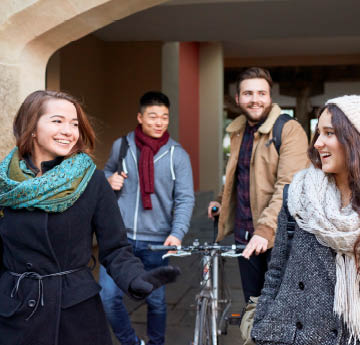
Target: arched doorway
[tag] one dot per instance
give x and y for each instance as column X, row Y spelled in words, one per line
column 32, row 30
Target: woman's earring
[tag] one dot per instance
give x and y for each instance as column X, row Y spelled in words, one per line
column 33, row 135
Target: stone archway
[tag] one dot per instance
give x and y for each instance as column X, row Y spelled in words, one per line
column 32, row 30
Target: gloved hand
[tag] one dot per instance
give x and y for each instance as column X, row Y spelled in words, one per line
column 145, row 283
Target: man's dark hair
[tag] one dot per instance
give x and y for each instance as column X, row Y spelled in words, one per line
column 151, row 98
column 254, row 73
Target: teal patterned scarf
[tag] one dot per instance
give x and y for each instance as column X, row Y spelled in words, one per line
column 54, row 191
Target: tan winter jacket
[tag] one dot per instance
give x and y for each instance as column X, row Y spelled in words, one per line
column 269, row 172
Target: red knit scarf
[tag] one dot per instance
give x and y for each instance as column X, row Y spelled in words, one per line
column 148, row 147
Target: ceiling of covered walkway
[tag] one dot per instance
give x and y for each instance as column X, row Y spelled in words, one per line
column 249, row 28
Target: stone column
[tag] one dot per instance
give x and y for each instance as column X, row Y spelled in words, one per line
column 211, row 116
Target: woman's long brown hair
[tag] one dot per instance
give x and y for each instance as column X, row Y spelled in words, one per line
column 349, row 137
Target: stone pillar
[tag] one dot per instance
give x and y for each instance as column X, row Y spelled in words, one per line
column 211, row 116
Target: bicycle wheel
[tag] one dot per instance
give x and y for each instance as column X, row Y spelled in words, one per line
column 205, row 324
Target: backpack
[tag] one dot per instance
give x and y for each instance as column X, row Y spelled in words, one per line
column 277, row 131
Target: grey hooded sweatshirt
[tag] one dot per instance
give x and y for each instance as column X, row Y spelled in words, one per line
column 172, row 201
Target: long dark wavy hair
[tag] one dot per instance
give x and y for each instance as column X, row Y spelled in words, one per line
column 349, row 138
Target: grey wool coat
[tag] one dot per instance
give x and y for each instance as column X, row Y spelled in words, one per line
column 296, row 303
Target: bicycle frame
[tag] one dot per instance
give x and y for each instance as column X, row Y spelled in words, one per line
column 209, row 292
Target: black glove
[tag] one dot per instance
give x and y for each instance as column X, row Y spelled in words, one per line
column 145, row 283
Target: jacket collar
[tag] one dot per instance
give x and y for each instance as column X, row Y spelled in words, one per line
column 45, row 165
column 240, row 122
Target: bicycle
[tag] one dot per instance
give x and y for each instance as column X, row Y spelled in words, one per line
column 211, row 311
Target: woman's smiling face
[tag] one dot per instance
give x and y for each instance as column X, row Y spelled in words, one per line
column 331, row 151
column 57, row 131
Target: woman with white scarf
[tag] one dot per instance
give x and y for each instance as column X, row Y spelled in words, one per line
column 311, row 294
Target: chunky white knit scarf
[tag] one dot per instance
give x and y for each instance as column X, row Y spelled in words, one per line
column 315, row 203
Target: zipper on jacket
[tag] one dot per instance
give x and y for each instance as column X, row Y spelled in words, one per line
column 172, row 163
column 161, row 156
column 255, row 145
column 137, row 195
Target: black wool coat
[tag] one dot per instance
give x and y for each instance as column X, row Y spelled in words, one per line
column 64, row 309
column 296, row 303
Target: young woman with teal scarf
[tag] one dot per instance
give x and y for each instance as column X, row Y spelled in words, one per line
column 52, row 201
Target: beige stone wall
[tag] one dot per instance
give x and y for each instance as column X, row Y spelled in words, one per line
column 32, row 30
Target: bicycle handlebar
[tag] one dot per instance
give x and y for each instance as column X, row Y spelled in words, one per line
column 156, row 247
column 199, row 248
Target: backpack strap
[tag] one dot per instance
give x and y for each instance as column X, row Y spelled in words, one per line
column 122, row 153
column 290, row 228
column 285, row 199
column 121, row 164
column 277, row 130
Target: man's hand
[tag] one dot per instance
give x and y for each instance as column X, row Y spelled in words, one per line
column 172, row 241
column 211, row 205
column 117, row 181
column 257, row 244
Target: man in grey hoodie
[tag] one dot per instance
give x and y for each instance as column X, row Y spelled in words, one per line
column 156, row 199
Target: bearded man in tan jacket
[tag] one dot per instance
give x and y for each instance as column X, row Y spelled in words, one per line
column 256, row 174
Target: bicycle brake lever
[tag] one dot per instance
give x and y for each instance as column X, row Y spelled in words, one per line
column 179, row 253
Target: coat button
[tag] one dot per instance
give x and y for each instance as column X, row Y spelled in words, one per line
column 334, row 332
column 31, row 303
column 29, row 265
column 301, row 286
column 299, row 325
